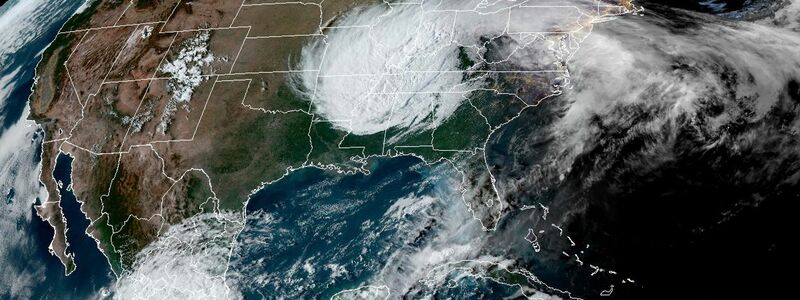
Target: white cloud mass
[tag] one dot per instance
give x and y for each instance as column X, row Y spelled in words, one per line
column 189, row 261
column 403, row 66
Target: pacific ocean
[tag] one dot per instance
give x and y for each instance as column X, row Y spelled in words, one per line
column 29, row 270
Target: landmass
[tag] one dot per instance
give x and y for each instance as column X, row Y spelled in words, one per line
column 175, row 108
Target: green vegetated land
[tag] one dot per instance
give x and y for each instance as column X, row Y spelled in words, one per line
column 463, row 133
column 239, row 149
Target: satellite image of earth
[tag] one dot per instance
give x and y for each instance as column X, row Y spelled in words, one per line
column 399, row 149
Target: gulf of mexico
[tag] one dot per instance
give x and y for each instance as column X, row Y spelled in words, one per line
column 315, row 233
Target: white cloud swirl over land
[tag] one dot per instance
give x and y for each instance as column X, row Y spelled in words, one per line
column 398, row 66
column 386, row 67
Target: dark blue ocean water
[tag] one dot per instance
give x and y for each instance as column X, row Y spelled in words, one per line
column 36, row 269
column 315, row 233
column 333, row 221
column 25, row 59
column 310, row 225
column 92, row 273
column 311, row 234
